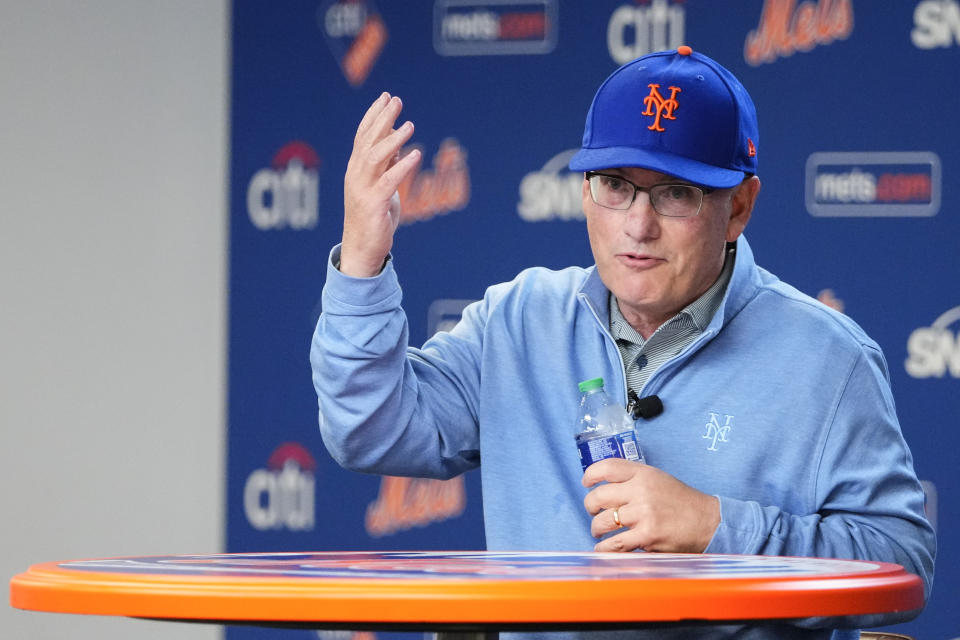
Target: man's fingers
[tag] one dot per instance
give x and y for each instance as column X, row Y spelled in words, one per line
column 399, row 171
column 609, row 470
column 387, row 149
column 381, row 126
column 606, row 521
column 626, row 541
column 372, row 112
column 605, row 496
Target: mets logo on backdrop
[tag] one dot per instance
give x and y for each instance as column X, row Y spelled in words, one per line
column 787, row 27
column 282, row 495
column 934, row 351
column 881, row 184
column 426, row 193
column 494, row 27
column 286, row 194
column 355, row 33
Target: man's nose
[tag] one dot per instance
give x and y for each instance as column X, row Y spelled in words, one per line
column 641, row 221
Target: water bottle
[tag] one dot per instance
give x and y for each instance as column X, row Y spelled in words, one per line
column 604, row 429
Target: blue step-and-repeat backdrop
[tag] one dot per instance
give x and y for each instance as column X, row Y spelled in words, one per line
column 859, row 109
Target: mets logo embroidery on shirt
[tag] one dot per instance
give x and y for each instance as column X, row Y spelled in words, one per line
column 664, row 108
column 717, row 432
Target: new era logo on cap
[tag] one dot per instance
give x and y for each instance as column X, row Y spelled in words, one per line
column 675, row 112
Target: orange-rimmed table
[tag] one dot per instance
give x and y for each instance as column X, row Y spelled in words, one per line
column 466, row 591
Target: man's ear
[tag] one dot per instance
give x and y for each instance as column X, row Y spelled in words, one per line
column 741, row 207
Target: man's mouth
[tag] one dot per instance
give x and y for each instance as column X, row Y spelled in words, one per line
column 639, row 260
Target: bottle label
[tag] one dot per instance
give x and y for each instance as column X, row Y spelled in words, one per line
column 621, row 445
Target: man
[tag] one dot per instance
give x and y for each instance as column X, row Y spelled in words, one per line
column 779, row 434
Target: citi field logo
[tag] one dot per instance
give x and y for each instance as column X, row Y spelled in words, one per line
column 355, row 33
column 787, row 27
column 644, row 27
column 867, row 184
column 936, row 23
column 553, row 192
column 494, row 27
column 282, row 495
column 286, row 194
column 934, row 351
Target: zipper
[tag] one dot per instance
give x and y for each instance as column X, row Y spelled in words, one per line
column 606, row 332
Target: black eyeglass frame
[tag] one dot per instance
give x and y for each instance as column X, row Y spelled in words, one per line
column 636, row 189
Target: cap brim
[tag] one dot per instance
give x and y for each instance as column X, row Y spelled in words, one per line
column 660, row 161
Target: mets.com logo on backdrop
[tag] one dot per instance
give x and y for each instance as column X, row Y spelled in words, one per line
column 494, row 27
column 934, row 351
column 282, row 495
column 286, row 194
column 873, row 184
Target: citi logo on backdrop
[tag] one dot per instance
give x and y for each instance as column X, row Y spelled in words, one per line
column 282, row 495
column 286, row 194
column 635, row 31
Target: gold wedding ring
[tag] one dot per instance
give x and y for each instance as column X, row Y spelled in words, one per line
column 616, row 517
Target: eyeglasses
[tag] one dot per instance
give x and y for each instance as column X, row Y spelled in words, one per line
column 670, row 200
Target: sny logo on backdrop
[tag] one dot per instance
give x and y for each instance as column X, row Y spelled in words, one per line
column 787, row 27
column 281, row 496
column 936, row 24
column 445, row 188
column 286, row 194
column 553, row 192
column 865, row 184
column 935, row 350
column 494, row 27
column 656, row 27
column 356, row 35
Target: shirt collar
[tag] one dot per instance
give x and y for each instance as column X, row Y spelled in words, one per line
column 699, row 312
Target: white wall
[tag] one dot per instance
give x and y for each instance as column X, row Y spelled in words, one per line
column 113, row 134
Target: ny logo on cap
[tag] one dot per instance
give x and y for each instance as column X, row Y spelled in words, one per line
column 664, row 107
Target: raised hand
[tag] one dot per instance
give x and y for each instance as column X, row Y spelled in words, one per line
column 371, row 205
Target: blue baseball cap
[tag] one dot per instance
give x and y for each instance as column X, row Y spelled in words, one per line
column 674, row 112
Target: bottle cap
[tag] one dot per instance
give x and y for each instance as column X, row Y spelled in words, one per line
column 590, row 385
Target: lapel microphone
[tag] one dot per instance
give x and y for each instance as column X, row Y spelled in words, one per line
column 646, row 407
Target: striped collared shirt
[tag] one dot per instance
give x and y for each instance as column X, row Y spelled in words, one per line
column 642, row 357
